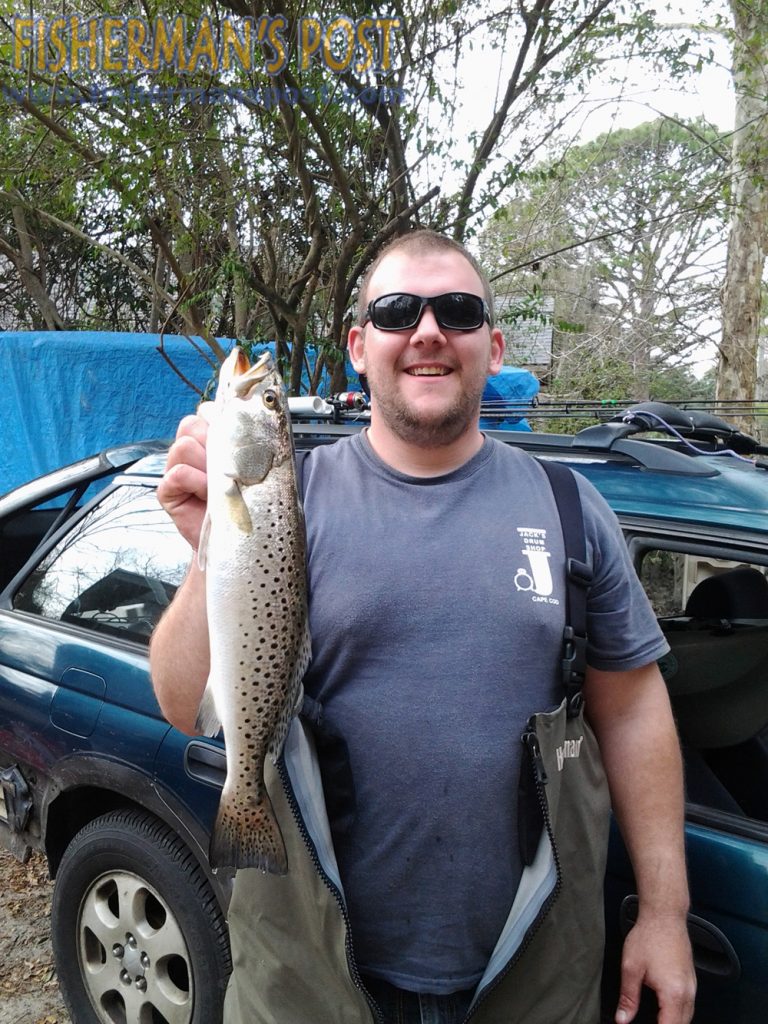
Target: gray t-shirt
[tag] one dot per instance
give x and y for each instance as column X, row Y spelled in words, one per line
column 436, row 612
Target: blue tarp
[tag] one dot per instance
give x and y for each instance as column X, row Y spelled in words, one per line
column 353, row 381
column 512, row 387
column 68, row 394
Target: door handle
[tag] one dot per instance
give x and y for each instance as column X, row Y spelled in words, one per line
column 712, row 951
column 205, row 762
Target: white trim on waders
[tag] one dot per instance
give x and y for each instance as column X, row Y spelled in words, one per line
column 537, row 883
column 304, row 775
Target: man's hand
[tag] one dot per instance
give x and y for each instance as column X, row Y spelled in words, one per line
column 657, row 953
column 183, row 491
column 631, row 715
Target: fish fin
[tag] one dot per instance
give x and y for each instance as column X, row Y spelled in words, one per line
column 302, row 664
column 202, row 547
column 278, row 736
column 305, row 653
column 248, row 837
column 289, row 712
column 294, row 700
column 298, row 704
column 208, row 722
column 237, row 509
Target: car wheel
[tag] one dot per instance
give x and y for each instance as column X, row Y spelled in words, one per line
column 137, row 932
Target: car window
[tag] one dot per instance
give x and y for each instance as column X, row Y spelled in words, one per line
column 21, row 531
column 116, row 570
column 670, row 577
column 714, row 614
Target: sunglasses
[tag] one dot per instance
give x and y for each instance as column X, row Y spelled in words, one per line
column 454, row 311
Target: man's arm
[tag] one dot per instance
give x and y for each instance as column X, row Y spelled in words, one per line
column 632, row 718
column 179, row 654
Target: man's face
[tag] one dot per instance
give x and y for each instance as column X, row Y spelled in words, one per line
column 426, row 382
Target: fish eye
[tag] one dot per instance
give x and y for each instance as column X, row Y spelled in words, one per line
column 270, row 398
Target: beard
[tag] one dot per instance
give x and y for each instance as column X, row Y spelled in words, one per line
column 427, row 428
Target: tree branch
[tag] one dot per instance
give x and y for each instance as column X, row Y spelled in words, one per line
column 389, row 229
column 515, row 87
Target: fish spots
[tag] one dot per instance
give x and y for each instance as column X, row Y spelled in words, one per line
column 264, row 658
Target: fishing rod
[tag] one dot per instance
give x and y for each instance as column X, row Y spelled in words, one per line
column 342, row 406
column 602, row 409
column 352, row 405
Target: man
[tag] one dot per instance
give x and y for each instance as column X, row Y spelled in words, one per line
column 428, row 662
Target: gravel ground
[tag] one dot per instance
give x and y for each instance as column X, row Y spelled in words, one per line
column 29, row 992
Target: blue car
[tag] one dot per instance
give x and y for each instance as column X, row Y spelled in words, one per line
column 122, row 804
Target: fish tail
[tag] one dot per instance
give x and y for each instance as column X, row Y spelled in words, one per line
column 248, row 837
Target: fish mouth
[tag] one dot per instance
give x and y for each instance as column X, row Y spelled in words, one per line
column 245, row 376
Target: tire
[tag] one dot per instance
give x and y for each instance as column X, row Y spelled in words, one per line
column 138, row 935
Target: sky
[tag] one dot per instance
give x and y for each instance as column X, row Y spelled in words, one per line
column 643, row 95
column 708, row 93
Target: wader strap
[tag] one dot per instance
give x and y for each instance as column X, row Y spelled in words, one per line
column 578, row 580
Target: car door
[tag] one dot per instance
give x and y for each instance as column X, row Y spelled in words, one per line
column 75, row 695
column 717, row 674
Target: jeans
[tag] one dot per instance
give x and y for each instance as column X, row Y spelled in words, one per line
column 401, row 1007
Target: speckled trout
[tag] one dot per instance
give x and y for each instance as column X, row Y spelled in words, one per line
column 252, row 548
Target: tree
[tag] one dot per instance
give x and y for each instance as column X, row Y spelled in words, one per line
column 625, row 232
column 748, row 238
column 249, row 203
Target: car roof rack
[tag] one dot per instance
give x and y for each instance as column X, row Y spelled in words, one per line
column 683, row 424
column 660, row 459
column 685, row 429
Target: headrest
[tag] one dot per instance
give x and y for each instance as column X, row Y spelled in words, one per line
column 735, row 594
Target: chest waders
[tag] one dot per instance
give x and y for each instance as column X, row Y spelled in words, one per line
column 553, row 975
column 292, row 952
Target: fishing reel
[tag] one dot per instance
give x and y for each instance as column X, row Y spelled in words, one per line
column 336, row 408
